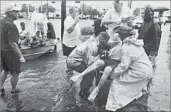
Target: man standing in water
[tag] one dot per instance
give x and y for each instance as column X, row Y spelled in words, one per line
column 11, row 55
column 71, row 33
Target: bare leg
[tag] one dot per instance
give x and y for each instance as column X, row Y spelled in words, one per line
column 97, row 64
column 103, row 79
column 2, row 78
column 14, row 80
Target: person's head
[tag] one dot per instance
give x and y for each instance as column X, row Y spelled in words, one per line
column 103, row 38
column 49, row 25
column 38, row 33
column 73, row 11
column 117, row 6
column 98, row 28
column 22, row 24
column 147, row 14
column 11, row 11
column 124, row 31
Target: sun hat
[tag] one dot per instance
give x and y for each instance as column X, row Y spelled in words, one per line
column 11, row 7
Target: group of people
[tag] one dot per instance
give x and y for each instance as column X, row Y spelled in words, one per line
column 117, row 53
column 37, row 39
column 128, row 60
column 26, row 39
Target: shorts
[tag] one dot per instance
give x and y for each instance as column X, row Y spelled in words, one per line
column 10, row 62
column 67, row 50
column 111, row 62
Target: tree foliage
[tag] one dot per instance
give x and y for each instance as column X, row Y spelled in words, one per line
column 136, row 12
column 88, row 10
column 46, row 7
column 25, row 8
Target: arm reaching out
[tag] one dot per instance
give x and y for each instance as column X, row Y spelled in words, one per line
column 124, row 65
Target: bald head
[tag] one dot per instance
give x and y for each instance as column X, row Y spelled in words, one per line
column 73, row 11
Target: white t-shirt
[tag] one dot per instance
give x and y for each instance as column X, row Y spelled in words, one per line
column 71, row 39
column 111, row 14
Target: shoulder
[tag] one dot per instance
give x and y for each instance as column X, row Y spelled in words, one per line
column 82, row 47
column 68, row 18
column 126, row 49
column 109, row 12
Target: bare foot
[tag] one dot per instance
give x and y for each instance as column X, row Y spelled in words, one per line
column 93, row 95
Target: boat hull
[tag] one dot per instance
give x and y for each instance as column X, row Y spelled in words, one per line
column 34, row 52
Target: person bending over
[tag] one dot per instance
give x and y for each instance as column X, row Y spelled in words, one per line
column 80, row 58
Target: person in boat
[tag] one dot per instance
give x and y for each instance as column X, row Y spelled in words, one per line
column 83, row 55
column 132, row 74
column 38, row 39
column 24, row 37
column 50, row 32
column 11, row 55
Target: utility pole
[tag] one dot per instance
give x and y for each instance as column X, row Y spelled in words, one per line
column 83, row 10
column 47, row 11
column 130, row 4
column 63, row 16
column 41, row 6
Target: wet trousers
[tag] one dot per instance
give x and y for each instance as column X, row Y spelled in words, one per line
column 87, row 79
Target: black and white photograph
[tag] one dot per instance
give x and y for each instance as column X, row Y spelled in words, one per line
column 85, row 55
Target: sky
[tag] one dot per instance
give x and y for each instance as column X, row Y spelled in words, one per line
column 98, row 4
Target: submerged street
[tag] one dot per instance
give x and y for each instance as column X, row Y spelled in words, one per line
column 45, row 86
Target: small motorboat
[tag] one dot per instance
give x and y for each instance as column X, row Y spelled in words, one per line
column 37, row 23
column 36, row 51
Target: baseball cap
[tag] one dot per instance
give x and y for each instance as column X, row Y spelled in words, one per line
column 11, row 7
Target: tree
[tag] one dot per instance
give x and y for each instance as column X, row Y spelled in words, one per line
column 94, row 12
column 88, row 10
column 46, row 7
column 83, row 9
column 25, row 8
column 136, row 12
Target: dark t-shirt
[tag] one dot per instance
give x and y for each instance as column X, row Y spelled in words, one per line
column 9, row 33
